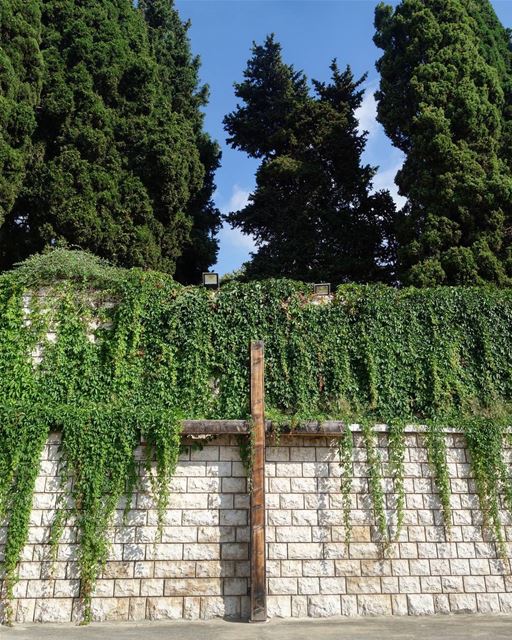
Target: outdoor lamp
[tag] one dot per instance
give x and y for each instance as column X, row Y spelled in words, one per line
column 211, row 280
column 322, row 289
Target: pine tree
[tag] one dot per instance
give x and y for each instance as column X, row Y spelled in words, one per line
column 20, row 86
column 179, row 74
column 114, row 166
column 312, row 213
column 442, row 101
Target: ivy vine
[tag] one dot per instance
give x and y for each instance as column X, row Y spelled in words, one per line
column 109, row 356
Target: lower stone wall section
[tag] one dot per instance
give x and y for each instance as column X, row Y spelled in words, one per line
column 200, row 567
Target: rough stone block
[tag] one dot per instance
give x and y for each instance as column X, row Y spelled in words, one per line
column 324, row 606
column 53, row 610
column 420, row 605
column 164, row 608
column 374, row 605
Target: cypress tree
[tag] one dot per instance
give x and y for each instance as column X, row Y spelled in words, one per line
column 443, row 102
column 179, row 74
column 20, row 86
column 114, row 166
column 312, row 213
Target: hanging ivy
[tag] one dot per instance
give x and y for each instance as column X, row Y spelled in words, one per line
column 109, row 356
column 436, row 449
column 345, row 455
column 374, row 462
column 396, row 468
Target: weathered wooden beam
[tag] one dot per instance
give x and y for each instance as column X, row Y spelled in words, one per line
column 314, row 428
column 215, row 427
column 243, row 427
column 258, row 551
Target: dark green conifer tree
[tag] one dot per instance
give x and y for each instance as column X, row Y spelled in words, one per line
column 312, row 213
column 443, row 102
column 20, row 85
column 114, row 166
column 179, row 74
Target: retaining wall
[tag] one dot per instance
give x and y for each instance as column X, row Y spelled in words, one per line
column 200, row 568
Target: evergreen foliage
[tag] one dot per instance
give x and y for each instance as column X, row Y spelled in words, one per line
column 444, row 100
column 163, row 352
column 118, row 165
column 179, row 73
column 312, row 213
column 20, row 85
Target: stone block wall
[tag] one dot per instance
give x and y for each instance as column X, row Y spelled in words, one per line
column 200, row 567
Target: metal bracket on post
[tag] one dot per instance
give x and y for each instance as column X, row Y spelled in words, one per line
column 258, row 550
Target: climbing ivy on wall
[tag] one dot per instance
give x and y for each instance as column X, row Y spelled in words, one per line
column 108, row 356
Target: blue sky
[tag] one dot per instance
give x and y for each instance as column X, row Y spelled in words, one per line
column 312, row 33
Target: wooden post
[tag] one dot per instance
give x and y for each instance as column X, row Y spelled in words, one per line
column 258, row 550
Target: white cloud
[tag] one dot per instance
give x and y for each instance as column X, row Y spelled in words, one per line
column 386, row 180
column 367, row 112
column 233, row 238
column 239, row 198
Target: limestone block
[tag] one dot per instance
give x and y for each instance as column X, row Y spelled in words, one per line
column 126, row 587
column 53, row 610
column 66, row 589
column 169, row 551
column 167, row 569
column 152, row 587
column 283, row 586
column 215, row 569
column 164, row 608
column 430, row 584
column 201, row 552
column 302, row 485
column 281, row 517
column 420, row 605
column 215, row 534
column 235, row 586
column 505, row 602
column 192, row 587
column 333, row 585
column 374, row 605
column 474, row 584
column 292, row 501
column 299, row 606
column 356, row 585
column 179, row 534
column 348, row 567
column 34, row 589
column 305, row 551
column 290, row 568
column 205, row 517
column 463, row 603
column 399, row 605
column 375, row 567
column 312, row 568
column 441, row 603
column 235, row 551
column 389, row 584
column 324, row 606
column 349, row 606
column 488, row 603
column 279, row 606
column 24, row 611
column 235, row 517
column 220, row 469
column 191, row 608
column 409, row 584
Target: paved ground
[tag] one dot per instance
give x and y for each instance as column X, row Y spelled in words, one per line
column 431, row 628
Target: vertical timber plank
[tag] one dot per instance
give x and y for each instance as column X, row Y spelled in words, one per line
column 258, row 551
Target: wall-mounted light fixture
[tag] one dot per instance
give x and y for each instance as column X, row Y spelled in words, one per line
column 211, row 280
column 322, row 289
